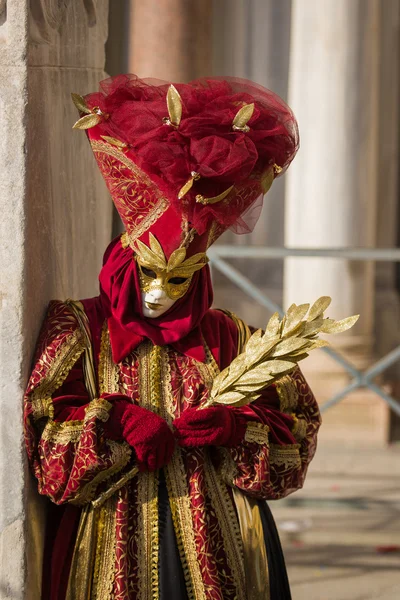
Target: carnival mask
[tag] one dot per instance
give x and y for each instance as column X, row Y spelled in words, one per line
column 163, row 282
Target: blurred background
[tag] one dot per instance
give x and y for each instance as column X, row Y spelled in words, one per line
column 330, row 226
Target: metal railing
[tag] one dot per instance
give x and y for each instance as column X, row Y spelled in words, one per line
column 360, row 379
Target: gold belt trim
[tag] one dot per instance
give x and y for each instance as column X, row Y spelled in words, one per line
column 147, row 497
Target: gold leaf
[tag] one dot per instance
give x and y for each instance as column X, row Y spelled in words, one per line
column 316, row 344
column 280, row 367
column 299, row 357
column 319, row 307
column 229, row 398
column 287, row 346
column 267, row 179
column 313, row 327
column 242, row 116
column 255, row 387
column 185, row 271
column 192, row 260
column 214, row 199
column 273, row 325
column 80, row 103
column 176, row 258
column 174, row 104
column 87, row 122
column 340, row 326
column 114, row 142
column 254, row 341
column 151, row 258
column 294, row 315
column 235, row 370
column 156, row 247
column 185, row 188
column 218, row 381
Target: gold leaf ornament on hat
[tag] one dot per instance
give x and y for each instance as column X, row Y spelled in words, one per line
column 92, row 116
column 174, row 105
column 242, row 117
column 188, row 185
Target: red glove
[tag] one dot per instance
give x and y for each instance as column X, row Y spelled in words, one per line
column 147, row 433
column 214, row 426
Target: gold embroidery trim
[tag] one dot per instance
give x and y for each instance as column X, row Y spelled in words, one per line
column 99, row 409
column 121, row 452
column 299, row 428
column 257, row 433
column 288, row 394
column 285, row 456
column 65, row 358
column 62, row 432
column 179, row 500
column 228, row 522
column 104, row 570
column 108, row 370
column 120, row 456
column 162, row 203
column 147, row 495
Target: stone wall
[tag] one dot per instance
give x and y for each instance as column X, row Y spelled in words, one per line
column 55, row 223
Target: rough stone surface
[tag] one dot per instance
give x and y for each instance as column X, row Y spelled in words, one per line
column 56, row 222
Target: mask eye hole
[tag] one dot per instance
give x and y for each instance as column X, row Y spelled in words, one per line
column 178, row 280
column 149, row 273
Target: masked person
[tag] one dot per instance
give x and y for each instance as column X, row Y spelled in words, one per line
column 119, row 380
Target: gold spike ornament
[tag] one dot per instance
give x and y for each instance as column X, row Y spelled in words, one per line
column 242, row 117
column 270, row 355
column 188, row 185
column 92, row 116
column 202, row 200
column 174, row 105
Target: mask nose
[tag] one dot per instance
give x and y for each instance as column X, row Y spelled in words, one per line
column 157, row 295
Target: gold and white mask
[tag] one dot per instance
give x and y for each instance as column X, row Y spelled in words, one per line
column 163, row 282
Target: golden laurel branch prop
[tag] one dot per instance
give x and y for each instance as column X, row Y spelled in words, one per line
column 266, row 357
column 270, row 355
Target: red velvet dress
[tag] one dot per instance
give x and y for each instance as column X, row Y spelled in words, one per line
column 75, row 463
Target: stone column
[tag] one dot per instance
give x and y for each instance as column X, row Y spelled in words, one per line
column 170, row 39
column 332, row 189
column 56, row 222
column 387, row 306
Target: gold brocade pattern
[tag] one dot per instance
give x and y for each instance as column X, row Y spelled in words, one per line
column 179, row 497
column 138, row 200
column 288, row 394
column 108, row 370
column 120, row 455
column 58, row 369
column 147, row 496
column 227, row 518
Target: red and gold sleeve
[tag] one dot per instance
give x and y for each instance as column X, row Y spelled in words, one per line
column 280, row 441
column 64, row 427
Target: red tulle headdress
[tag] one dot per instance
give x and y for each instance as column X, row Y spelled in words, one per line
column 187, row 161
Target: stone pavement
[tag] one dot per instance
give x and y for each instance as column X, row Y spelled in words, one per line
column 341, row 532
